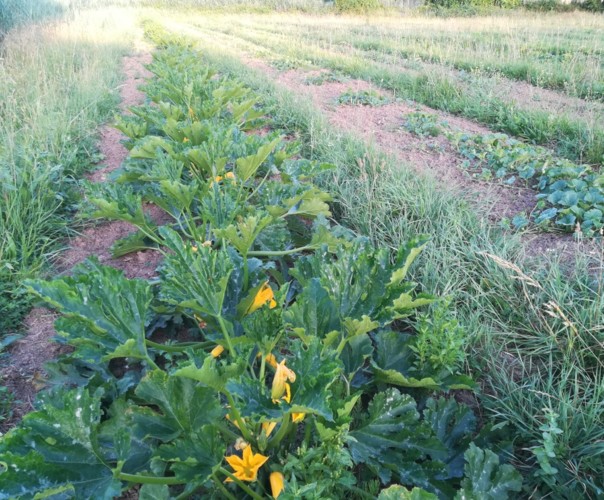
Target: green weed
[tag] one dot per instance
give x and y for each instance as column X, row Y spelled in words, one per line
column 362, row 98
column 423, row 124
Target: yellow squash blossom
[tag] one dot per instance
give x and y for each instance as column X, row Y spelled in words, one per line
column 271, row 360
column 264, row 295
column 217, row 351
column 268, row 427
column 283, row 375
column 276, row 480
column 245, row 468
column 298, row 417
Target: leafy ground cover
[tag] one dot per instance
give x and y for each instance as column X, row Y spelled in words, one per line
column 272, row 347
column 362, row 98
column 571, row 196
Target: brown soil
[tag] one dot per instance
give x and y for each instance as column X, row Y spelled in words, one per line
column 25, row 374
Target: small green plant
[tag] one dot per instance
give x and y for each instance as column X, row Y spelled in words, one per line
column 285, row 64
column 424, row 124
column 7, row 399
column 325, row 77
column 363, row 98
column 440, row 341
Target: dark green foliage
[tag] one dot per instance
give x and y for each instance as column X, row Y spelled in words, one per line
column 357, row 6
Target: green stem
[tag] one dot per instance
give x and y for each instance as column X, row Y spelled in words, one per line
column 241, row 484
column 226, row 335
column 247, row 435
column 140, row 479
column 286, row 425
column 226, row 431
column 179, row 347
column 278, row 253
column 262, row 367
column 307, row 433
column 222, row 488
column 151, row 362
column 246, row 272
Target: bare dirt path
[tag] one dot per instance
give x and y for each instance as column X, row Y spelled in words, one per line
column 25, row 374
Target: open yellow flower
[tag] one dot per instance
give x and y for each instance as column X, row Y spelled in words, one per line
column 264, row 295
column 217, row 351
column 283, row 375
column 276, row 480
column 246, row 467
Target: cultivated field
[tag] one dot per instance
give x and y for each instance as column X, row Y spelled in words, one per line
column 260, row 253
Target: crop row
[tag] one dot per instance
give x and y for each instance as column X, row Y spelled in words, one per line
column 569, row 195
column 273, row 355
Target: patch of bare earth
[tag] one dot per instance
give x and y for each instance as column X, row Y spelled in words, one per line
column 25, row 374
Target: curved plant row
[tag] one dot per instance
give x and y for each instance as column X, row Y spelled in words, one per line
column 272, row 356
column 570, row 196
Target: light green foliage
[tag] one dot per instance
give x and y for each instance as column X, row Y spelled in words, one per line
column 325, row 77
column 440, row 341
column 423, row 124
column 486, row 478
column 397, row 492
column 357, row 6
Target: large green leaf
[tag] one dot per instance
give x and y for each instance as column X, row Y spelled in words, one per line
column 56, row 450
column 315, row 372
column 393, row 361
column 391, row 440
column 243, row 235
column 194, row 279
column 454, row 424
column 485, row 478
column 195, row 455
column 398, row 492
column 248, row 166
column 102, row 310
column 313, row 313
column 361, row 281
column 175, row 406
column 212, row 372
